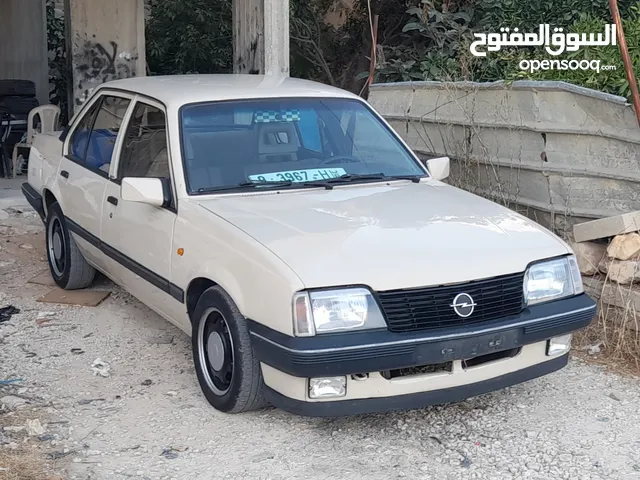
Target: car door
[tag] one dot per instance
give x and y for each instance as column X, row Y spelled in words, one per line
column 84, row 169
column 137, row 235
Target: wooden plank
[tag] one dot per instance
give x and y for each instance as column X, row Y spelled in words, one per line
column 43, row 278
column 85, row 298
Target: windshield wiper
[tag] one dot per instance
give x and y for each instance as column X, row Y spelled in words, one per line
column 264, row 183
column 327, row 183
column 247, row 184
column 351, row 177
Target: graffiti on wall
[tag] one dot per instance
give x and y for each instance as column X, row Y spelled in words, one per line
column 97, row 62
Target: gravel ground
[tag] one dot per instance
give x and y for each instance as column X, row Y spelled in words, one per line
column 148, row 419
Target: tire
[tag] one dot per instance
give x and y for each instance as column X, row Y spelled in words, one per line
column 20, row 88
column 242, row 390
column 18, row 106
column 68, row 267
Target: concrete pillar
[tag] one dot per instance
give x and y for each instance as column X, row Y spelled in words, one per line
column 23, row 44
column 105, row 41
column 261, row 37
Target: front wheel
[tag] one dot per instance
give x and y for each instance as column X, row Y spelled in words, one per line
column 227, row 370
column 68, row 267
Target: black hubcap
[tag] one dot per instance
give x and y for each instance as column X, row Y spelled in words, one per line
column 57, row 248
column 216, row 347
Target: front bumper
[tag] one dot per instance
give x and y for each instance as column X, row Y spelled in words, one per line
column 344, row 354
column 440, row 394
column 288, row 362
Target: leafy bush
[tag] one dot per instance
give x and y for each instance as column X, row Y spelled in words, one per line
column 529, row 14
column 192, row 36
column 437, row 38
column 417, row 40
column 434, row 44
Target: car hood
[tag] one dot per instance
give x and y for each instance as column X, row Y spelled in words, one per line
column 388, row 236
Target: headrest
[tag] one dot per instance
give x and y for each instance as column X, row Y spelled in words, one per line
column 155, row 119
column 277, row 138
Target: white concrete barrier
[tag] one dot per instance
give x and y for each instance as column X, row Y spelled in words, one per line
column 554, row 151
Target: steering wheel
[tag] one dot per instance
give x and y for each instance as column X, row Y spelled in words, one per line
column 339, row 159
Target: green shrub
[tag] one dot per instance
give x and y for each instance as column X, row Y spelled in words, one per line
column 192, row 36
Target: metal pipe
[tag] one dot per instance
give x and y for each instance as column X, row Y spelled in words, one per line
column 626, row 59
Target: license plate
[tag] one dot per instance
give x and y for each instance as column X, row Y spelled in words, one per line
column 299, row 175
column 468, row 348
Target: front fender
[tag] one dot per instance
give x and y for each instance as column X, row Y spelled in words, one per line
column 261, row 285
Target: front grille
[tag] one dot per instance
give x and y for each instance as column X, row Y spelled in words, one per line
column 429, row 308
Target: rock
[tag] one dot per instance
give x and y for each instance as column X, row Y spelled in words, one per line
column 34, row 428
column 595, row 348
column 14, row 429
column 161, row 340
column 100, row 367
column 589, row 255
column 14, row 210
column 623, row 272
column 26, row 246
column 12, row 402
column 169, row 454
column 625, row 247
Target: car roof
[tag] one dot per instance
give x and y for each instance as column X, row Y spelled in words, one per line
column 177, row 90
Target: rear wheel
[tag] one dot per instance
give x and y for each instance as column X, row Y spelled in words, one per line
column 228, row 372
column 68, row 267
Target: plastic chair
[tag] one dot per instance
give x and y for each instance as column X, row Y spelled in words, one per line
column 49, row 117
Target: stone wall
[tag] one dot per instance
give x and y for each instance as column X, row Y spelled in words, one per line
column 551, row 150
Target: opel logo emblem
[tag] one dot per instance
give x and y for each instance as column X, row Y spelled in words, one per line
column 463, row 305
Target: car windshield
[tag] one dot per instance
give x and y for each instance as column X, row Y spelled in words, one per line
column 288, row 143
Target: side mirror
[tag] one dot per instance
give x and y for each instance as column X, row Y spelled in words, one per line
column 152, row 191
column 438, row 167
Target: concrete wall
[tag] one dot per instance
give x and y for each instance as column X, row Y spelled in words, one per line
column 23, row 43
column 105, row 42
column 551, row 150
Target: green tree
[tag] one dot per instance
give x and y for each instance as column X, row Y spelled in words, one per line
column 193, row 36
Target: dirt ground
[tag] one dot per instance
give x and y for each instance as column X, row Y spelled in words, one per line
column 147, row 419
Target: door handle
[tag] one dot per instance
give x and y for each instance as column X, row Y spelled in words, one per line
column 64, row 173
column 112, row 200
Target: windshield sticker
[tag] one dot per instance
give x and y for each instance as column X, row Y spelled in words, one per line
column 272, row 116
column 308, row 175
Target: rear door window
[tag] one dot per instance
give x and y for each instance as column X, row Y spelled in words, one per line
column 92, row 143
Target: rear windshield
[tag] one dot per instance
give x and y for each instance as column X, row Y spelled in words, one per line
column 226, row 144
